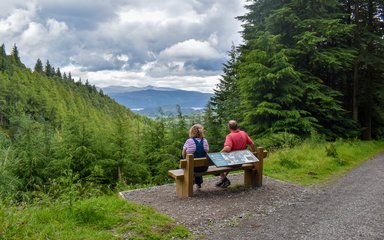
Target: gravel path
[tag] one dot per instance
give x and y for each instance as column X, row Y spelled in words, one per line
column 351, row 208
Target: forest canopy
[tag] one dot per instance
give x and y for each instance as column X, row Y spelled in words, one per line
column 307, row 66
column 56, row 132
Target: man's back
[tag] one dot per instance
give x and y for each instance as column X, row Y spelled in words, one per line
column 237, row 140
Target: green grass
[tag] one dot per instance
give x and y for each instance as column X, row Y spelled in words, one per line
column 315, row 163
column 107, row 217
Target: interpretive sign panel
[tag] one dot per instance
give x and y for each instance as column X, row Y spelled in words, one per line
column 223, row 159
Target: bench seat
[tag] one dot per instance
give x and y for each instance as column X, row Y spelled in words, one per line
column 179, row 173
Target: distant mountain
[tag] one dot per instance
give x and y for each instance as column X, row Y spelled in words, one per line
column 153, row 97
column 120, row 89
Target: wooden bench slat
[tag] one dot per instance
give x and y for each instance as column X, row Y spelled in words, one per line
column 198, row 162
column 215, row 170
column 179, row 173
column 176, row 174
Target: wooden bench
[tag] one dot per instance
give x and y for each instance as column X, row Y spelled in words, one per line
column 253, row 172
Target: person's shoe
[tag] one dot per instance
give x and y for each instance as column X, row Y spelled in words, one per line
column 220, row 183
column 198, row 185
column 226, row 183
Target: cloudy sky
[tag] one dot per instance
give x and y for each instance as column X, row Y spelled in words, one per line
column 169, row 43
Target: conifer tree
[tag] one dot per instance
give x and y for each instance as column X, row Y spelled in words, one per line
column 48, row 69
column 121, row 147
column 226, row 101
column 15, row 55
column 291, row 49
column 366, row 77
column 58, row 73
column 3, row 58
column 2, row 51
column 271, row 90
column 214, row 129
column 38, row 66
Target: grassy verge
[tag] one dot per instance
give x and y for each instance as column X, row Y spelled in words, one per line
column 314, row 162
column 107, row 217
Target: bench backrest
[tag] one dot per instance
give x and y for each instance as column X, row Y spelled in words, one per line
column 199, row 162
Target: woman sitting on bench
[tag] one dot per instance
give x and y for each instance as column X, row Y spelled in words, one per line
column 197, row 145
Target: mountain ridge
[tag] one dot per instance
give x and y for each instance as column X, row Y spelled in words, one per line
column 155, row 97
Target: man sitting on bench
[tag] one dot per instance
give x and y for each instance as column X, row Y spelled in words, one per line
column 235, row 140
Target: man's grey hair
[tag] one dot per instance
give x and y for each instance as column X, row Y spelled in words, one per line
column 232, row 124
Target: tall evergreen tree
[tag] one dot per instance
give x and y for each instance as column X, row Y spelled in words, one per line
column 48, row 69
column 39, row 66
column 15, row 55
column 121, row 147
column 367, row 81
column 271, row 90
column 225, row 101
column 58, row 73
column 291, row 49
column 214, row 129
column 3, row 58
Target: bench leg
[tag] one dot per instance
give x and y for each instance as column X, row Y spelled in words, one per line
column 187, row 182
column 259, row 171
column 179, row 187
column 250, row 178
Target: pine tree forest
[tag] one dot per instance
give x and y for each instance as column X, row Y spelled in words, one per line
column 304, row 67
column 307, row 67
column 56, row 132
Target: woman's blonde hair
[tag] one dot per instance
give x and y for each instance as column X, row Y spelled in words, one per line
column 196, row 131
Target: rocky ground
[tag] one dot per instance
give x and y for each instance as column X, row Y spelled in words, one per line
column 350, row 208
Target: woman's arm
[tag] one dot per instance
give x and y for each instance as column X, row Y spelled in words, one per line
column 184, row 153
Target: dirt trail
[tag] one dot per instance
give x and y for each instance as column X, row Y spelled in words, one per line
column 351, row 208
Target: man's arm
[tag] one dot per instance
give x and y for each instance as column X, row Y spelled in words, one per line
column 226, row 149
column 252, row 146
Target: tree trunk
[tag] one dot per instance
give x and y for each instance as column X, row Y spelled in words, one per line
column 355, row 87
column 370, row 91
column 367, row 123
column 119, row 175
column 355, row 105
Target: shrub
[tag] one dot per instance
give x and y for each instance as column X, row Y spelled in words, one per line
column 279, row 140
column 288, row 162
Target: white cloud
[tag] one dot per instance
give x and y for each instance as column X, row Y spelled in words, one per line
column 122, row 57
column 17, row 21
column 38, row 34
column 190, row 48
column 137, row 42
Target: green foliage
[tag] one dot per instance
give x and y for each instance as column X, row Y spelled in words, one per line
column 272, row 90
column 9, row 183
column 330, row 150
column 287, row 64
column 306, row 66
column 95, row 218
column 287, row 161
column 309, row 163
column 66, row 137
column 214, row 129
column 226, row 102
column 38, row 66
column 278, row 140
